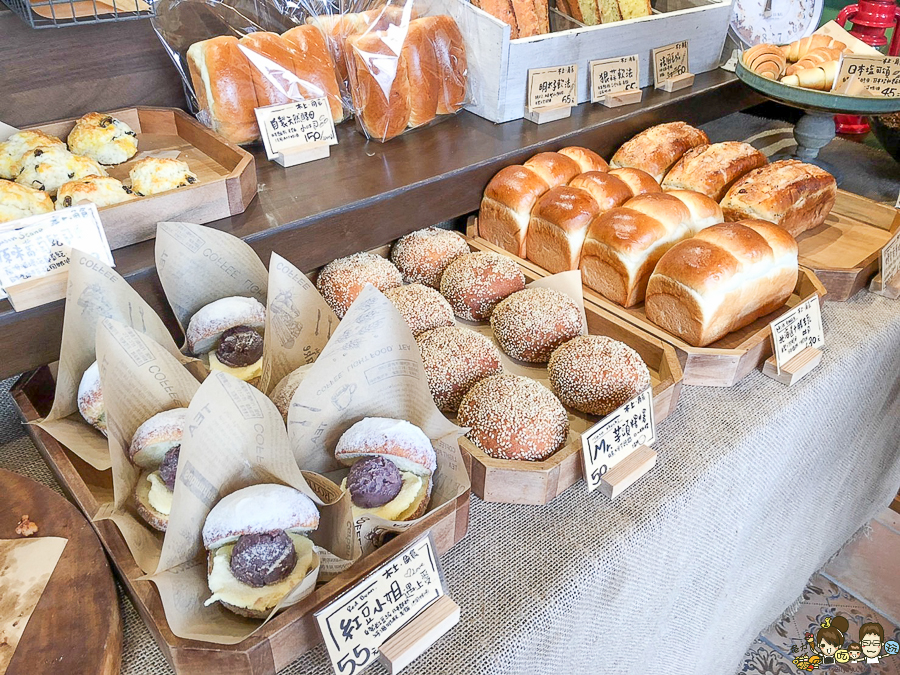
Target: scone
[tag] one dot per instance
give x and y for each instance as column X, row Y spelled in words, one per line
column 18, row 201
column 153, row 175
column 103, row 138
column 47, row 168
column 14, row 147
column 99, row 190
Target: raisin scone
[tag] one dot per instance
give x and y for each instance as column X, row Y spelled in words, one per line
column 14, row 147
column 47, row 168
column 99, row 190
column 153, row 175
column 103, row 138
column 18, row 201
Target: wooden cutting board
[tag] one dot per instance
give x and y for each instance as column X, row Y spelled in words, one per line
column 76, row 626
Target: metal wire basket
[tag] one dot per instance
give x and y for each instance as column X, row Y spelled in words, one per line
column 58, row 13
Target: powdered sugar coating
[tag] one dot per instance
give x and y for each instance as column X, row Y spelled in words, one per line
column 474, row 283
column 455, row 360
column 284, row 391
column 422, row 307
column 514, row 417
column 90, row 398
column 423, row 255
column 210, row 321
column 341, row 280
column 596, row 374
column 256, row 509
column 166, row 426
column 530, row 324
column 403, row 442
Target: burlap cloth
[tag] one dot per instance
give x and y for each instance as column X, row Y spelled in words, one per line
column 755, row 488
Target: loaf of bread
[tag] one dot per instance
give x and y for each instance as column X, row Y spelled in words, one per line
column 607, row 190
column 336, row 28
column 721, row 280
column 792, row 194
column 271, row 66
column 525, row 18
column 506, row 207
column 639, row 182
column 656, row 149
column 587, row 160
column 711, row 169
column 554, row 168
column 452, row 64
column 375, row 66
column 422, row 69
column 314, row 68
column 623, row 245
column 557, row 228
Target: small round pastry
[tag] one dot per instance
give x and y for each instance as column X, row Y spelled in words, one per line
column 152, row 175
column 258, row 548
column 423, row 255
column 530, row 324
column 99, row 190
column 422, row 307
column 512, row 417
column 475, row 282
column 18, row 201
column 596, row 374
column 391, row 467
column 103, row 138
column 455, row 359
column 48, row 167
column 90, row 399
column 14, row 148
column 342, row 280
column 155, row 448
column 230, row 331
column 284, row 391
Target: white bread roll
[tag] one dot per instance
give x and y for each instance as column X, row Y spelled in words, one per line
column 506, row 207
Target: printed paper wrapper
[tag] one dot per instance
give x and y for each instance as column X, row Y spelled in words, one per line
column 371, row 368
column 235, row 437
column 95, row 292
column 139, row 379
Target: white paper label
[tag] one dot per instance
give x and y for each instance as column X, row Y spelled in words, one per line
column 39, row 245
column 358, row 622
column 610, row 76
column 796, row 330
column 890, row 259
column 669, row 62
column 616, row 436
column 879, row 74
column 6, row 131
column 293, row 126
column 552, row 87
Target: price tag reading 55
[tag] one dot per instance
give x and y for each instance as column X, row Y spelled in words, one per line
column 552, row 87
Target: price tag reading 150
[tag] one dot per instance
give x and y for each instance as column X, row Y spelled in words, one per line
column 552, row 87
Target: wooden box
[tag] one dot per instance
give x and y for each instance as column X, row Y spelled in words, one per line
column 279, row 642
column 498, row 66
column 226, row 174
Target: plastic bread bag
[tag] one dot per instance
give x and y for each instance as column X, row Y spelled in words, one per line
column 239, row 55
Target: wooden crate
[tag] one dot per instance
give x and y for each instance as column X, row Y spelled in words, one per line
column 519, row 482
column 844, row 252
column 279, row 642
column 226, row 174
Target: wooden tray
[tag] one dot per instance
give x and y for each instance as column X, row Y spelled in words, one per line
column 844, row 251
column 226, row 174
column 515, row 482
column 281, row 640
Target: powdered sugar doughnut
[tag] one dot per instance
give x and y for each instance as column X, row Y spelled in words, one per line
column 407, row 445
column 90, row 399
column 341, row 280
column 207, row 325
column 423, row 255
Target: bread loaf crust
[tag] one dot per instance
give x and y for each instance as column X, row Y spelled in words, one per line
column 554, row 168
column 314, row 67
column 558, row 225
column 506, row 207
column 271, row 66
column 655, row 150
column 587, row 160
column 423, row 73
column 452, row 64
column 712, row 169
column 607, row 190
column 383, row 114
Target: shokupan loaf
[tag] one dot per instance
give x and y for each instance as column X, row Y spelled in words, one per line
column 793, row 195
column 452, row 63
column 623, row 245
column 557, row 228
column 655, row 150
column 721, row 280
column 712, row 169
column 314, row 67
column 506, row 207
column 374, row 64
column 271, row 66
column 423, row 73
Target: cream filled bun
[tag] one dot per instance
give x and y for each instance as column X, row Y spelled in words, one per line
column 229, row 333
column 284, row 391
column 258, row 551
column 155, row 448
column 392, row 463
column 90, row 399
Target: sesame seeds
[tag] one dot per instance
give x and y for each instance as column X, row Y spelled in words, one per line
column 422, row 307
column 530, row 324
column 341, row 280
column 455, row 360
column 423, row 255
column 474, row 283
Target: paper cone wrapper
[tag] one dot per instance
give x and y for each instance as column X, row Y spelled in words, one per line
column 95, row 292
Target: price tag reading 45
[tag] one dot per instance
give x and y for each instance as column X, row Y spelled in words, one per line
column 796, row 330
column 358, row 622
column 291, row 126
column 616, row 436
column 552, row 87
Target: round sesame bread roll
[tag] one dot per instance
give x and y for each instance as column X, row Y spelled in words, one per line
column 103, row 138
column 284, row 391
column 20, row 201
column 422, row 307
column 530, row 324
column 512, row 417
column 90, row 399
column 455, row 360
column 422, row 256
column 474, row 283
column 342, row 280
column 596, row 374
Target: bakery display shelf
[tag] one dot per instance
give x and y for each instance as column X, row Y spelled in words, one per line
column 522, row 482
column 274, row 645
column 844, row 252
column 226, row 174
column 723, row 363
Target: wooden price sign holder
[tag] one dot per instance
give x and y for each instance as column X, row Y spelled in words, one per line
column 887, row 281
column 669, row 58
column 542, row 107
column 611, row 68
column 298, row 132
column 38, row 291
column 411, row 641
column 794, row 358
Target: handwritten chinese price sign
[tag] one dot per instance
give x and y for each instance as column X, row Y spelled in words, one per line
column 890, row 259
column 670, row 62
column 290, row 126
column 879, row 74
column 611, row 76
column 796, row 330
column 552, row 87
column 357, row 623
column 616, row 436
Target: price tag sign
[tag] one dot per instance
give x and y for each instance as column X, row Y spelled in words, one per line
column 6, row 131
column 670, row 62
column 890, row 260
column 879, row 74
column 552, row 87
column 291, row 126
column 358, row 622
column 796, row 330
column 616, row 436
column 610, row 76
column 40, row 245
